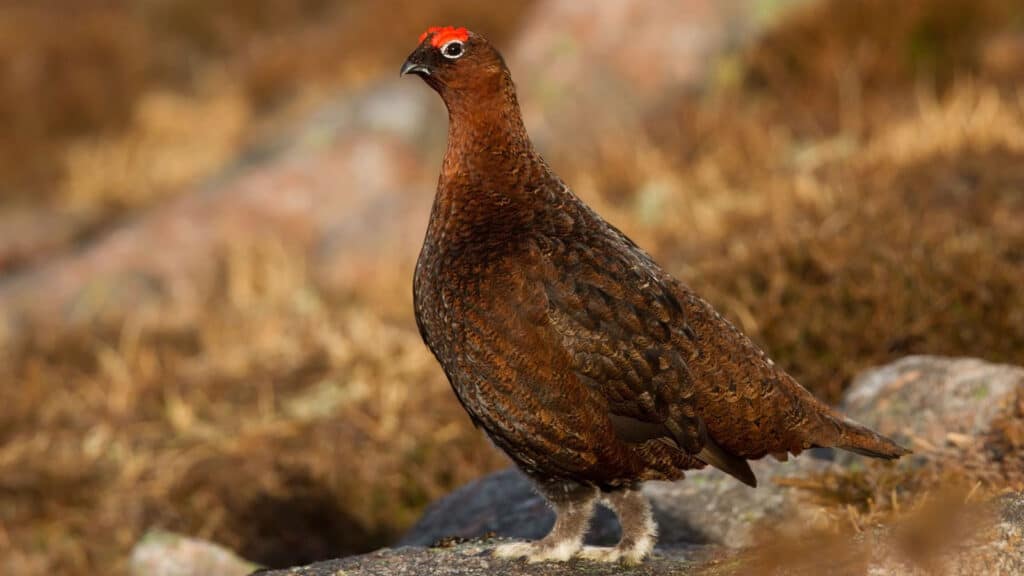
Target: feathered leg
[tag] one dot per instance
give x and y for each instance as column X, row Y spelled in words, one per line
column 574, row 505
column 639, row 530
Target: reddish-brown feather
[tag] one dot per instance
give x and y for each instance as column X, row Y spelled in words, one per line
column 567, row 343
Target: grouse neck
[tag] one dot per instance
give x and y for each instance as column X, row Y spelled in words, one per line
column 485, row 133
column 493, row 183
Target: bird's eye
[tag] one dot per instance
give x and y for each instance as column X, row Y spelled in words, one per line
column 453, row 49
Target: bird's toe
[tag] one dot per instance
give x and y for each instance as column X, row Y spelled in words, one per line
column 600, row 554
column 513, row 550
column 633, row 557
column 537, row 552
column 635, row 552
column 630, row 555
column 560, row 552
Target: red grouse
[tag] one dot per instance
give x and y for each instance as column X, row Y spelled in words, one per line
column 592, row 367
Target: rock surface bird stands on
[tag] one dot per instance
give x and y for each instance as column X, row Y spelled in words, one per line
column 708, row 519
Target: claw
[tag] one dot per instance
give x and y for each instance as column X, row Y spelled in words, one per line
column 513, row 550
column 534, row 552
column 628, row 555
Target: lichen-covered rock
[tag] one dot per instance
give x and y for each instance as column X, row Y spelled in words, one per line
column 931, row 401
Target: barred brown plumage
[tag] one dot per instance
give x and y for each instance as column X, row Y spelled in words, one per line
column 593, row 368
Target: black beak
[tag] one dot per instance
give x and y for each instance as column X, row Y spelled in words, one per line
column 421, row 62
column 411, row 67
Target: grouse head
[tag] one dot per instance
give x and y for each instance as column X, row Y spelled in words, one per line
column 460, row 65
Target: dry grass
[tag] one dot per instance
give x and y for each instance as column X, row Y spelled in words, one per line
column 842, row 247
column 83, row 81
column 842, row 253
column 286, row 426
column 843, row 218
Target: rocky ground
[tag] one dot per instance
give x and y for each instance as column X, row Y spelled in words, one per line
column 710, row 524
column 474, row 559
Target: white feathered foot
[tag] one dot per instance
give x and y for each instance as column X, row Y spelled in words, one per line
column 639, row 532
column 574, row 505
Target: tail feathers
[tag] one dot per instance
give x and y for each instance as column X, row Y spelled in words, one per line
column 861, row 440
column 731, row 464
column 890, row 455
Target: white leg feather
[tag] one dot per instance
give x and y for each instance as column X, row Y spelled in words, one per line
column 639, row 530
column 573, row 506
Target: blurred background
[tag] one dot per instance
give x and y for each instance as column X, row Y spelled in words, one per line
column 210, row 210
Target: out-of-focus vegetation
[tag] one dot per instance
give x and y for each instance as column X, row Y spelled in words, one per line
column 282, row 426
column 855, row 201
column 113, row 102
column 850, row 189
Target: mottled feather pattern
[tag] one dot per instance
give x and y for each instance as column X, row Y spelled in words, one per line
column 578, row 355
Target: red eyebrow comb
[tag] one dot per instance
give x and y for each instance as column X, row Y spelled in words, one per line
column 444, row 34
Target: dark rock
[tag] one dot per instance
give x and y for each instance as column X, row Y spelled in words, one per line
column 706, row 507
column 504, row 503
